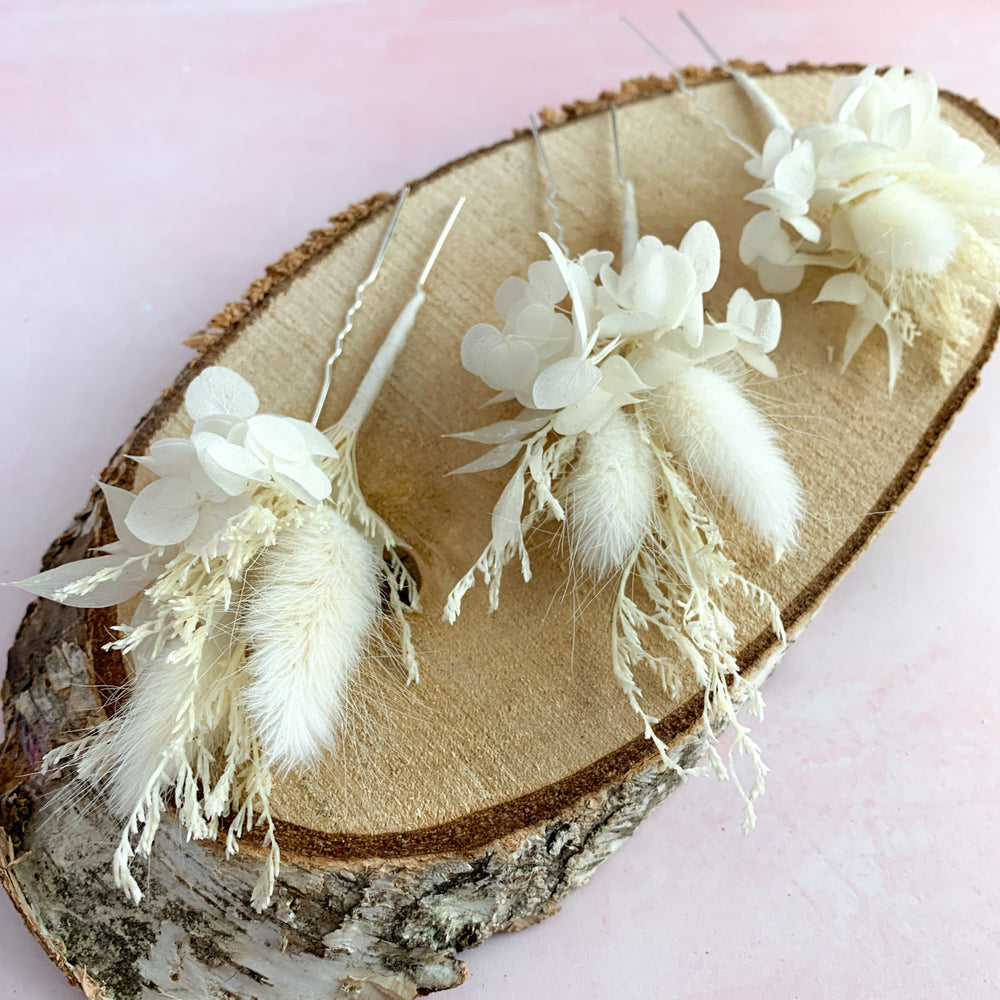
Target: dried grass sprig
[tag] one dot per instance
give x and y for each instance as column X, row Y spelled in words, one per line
column 887, row 194
column 261, row 568
column 613, row 385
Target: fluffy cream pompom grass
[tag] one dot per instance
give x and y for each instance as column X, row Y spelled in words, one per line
column 621, row 390
column 264, row 574
column 886, row 193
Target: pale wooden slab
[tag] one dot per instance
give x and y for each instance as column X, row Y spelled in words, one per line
column 449, row 797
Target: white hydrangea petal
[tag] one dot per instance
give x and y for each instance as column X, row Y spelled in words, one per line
column 767, row 325
column 950, row 152
column 610, row 282
column 535, row 323
column 219, row 390
column 219, row 424
column 795, row 173
column 564, row 382
column 758, row 235
column 478, row 342
column 757, row 359
column 513, row 364
column 305, row 479
column 587, row 414
column 717, row 340
column 847, row 92
column 895, row 129
column 316, row 442
column 824, row 136
column 107, row 594
column 229, row 466
column 164, row 513
column 169, row 457
column 594, row 262
column 627, row 323
column 513, row 290
column 666, row 286
column 701, row 247
column 777, row 145
column 119, row 503
column 779, row 278
column 848, row 287
column 919, row 91
column 741, row 309
column 806, row 228
column 852, row 159
column 204, row 541
column 656, row 366
column 547, row 284
column 178, row 458
column 619, row 378
column 559, row 340
column 271, row 435
column 785, row 203
column 692, row 326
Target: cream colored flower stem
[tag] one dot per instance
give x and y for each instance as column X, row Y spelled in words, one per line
column 774, row 115
column 381, row 366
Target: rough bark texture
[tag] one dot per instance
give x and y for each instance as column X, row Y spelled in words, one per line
column 344, row 920
column 381, row 929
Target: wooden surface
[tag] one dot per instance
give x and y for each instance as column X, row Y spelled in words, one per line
column 862, row 455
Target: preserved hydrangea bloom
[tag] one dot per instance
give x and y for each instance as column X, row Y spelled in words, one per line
column 619, row 390
column 203, row 482
column 623, row 335
column 624, row 340
column 886, row 189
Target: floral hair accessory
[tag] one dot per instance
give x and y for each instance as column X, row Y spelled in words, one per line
column 884, row 192
column 624, row 384
column 263, row 574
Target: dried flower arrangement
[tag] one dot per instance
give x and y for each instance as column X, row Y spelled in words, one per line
column 262, row 571
column 884, row 192
column 621, row 390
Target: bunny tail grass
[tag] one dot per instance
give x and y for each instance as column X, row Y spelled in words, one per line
column 402, row 593
column 610, row 496
column 710, row 426
column 311, row 604
column 674, row 589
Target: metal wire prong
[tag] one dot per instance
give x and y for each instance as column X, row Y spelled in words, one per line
column 702, row 40
column 440, row 242
column 689, row 91
column 618, row 145
column 774, row 115
column 338, row 344
column 550, row 198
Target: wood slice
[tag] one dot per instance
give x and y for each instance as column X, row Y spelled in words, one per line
column 475, row 801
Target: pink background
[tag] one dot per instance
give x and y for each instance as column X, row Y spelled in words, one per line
column 157, row 154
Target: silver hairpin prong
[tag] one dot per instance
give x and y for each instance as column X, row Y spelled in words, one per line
column 775, row 116
column 689, row 91
column 385, row 357
column 550, row 198
column 338, row 344
column 440, row 242
column 618, row 146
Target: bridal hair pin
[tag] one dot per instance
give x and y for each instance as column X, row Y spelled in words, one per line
column 882, row 191
column 622, row 391
column 262, row 572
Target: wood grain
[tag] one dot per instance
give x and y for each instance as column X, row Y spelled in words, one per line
column 472, row 803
